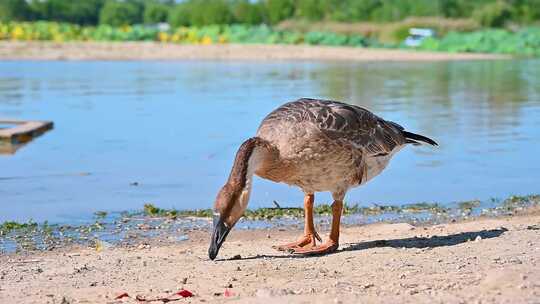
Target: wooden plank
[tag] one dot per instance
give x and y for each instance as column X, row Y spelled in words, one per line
column 22, row 130
column 8, row 148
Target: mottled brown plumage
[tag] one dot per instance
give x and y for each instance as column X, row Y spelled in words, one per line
column 317, row 145
column 328, row 145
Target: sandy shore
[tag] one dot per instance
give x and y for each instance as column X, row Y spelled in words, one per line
column 481, row 261
column 159, row 51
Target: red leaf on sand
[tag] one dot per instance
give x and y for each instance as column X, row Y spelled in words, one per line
column 228, row 293
column 185, row 293
column 125, row 294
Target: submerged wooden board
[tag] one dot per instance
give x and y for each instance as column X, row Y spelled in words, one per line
column 22, row 130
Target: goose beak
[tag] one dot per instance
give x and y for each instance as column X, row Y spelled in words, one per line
column 218, row 236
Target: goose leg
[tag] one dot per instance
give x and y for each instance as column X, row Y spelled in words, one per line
column 333, row 243
column 310, row 235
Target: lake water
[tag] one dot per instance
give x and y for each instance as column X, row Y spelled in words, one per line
column 174, row 127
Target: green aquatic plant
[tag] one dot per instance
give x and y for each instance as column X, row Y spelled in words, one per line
column 326, row 209
column 468, row 205
column 47, row 228
column 100, row 214
column 422, row 207
column 269, row 213
column 151, row 210
column 293, row 212
column 519, row 201
column 378, row 209
column 9, row 226
column 195, row 213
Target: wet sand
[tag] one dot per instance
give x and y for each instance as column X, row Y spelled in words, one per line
column 161, row 51
column 487, row 260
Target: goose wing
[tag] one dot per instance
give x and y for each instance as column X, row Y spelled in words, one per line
column 342, row 122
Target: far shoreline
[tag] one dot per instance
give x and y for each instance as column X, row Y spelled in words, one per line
column 125, row 51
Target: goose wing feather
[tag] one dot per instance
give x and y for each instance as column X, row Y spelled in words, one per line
column 343, row 122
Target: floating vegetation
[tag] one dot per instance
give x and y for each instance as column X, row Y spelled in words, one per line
column 423, row 207
column 151, row 210
column 326, row 209
column 526, row 199
column 265, row 213
column 468, row 205
column 516, row 203
column 100, row 214
column 128, row 228
column 9, row 226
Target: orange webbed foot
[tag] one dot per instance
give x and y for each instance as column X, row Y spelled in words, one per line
column 325, row 248
column 308, row 240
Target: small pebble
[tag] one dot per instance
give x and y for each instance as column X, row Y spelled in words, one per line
column 263, row 293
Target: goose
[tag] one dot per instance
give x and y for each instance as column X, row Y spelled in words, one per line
column 316, row 145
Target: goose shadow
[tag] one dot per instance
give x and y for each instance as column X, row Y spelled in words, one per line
column 411, row 242
column 426, row 242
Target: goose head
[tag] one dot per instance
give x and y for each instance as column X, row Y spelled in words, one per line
column 233, row 198
column 229, row 207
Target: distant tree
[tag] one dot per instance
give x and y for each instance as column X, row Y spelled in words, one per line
column 279, row 10
column 80, row 12
column 466, row 8
column 313, row 10
column 494, row 14
column 14, row 10
column 356, row 10
column 451, row 8
column 117, row 13
column 422, row 8
column 156, row 12
column 180, row 15
column 525, row 11
column 388, row 11
column 211, row 12
column 247, row 12
column 335, row 10
column 203, row 12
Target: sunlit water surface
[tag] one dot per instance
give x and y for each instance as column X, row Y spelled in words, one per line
column 174, row 127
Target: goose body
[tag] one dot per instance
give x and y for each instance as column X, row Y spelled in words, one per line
column 316, row 145
column 327, row 145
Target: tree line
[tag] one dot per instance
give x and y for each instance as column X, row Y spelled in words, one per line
column 490, row 13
